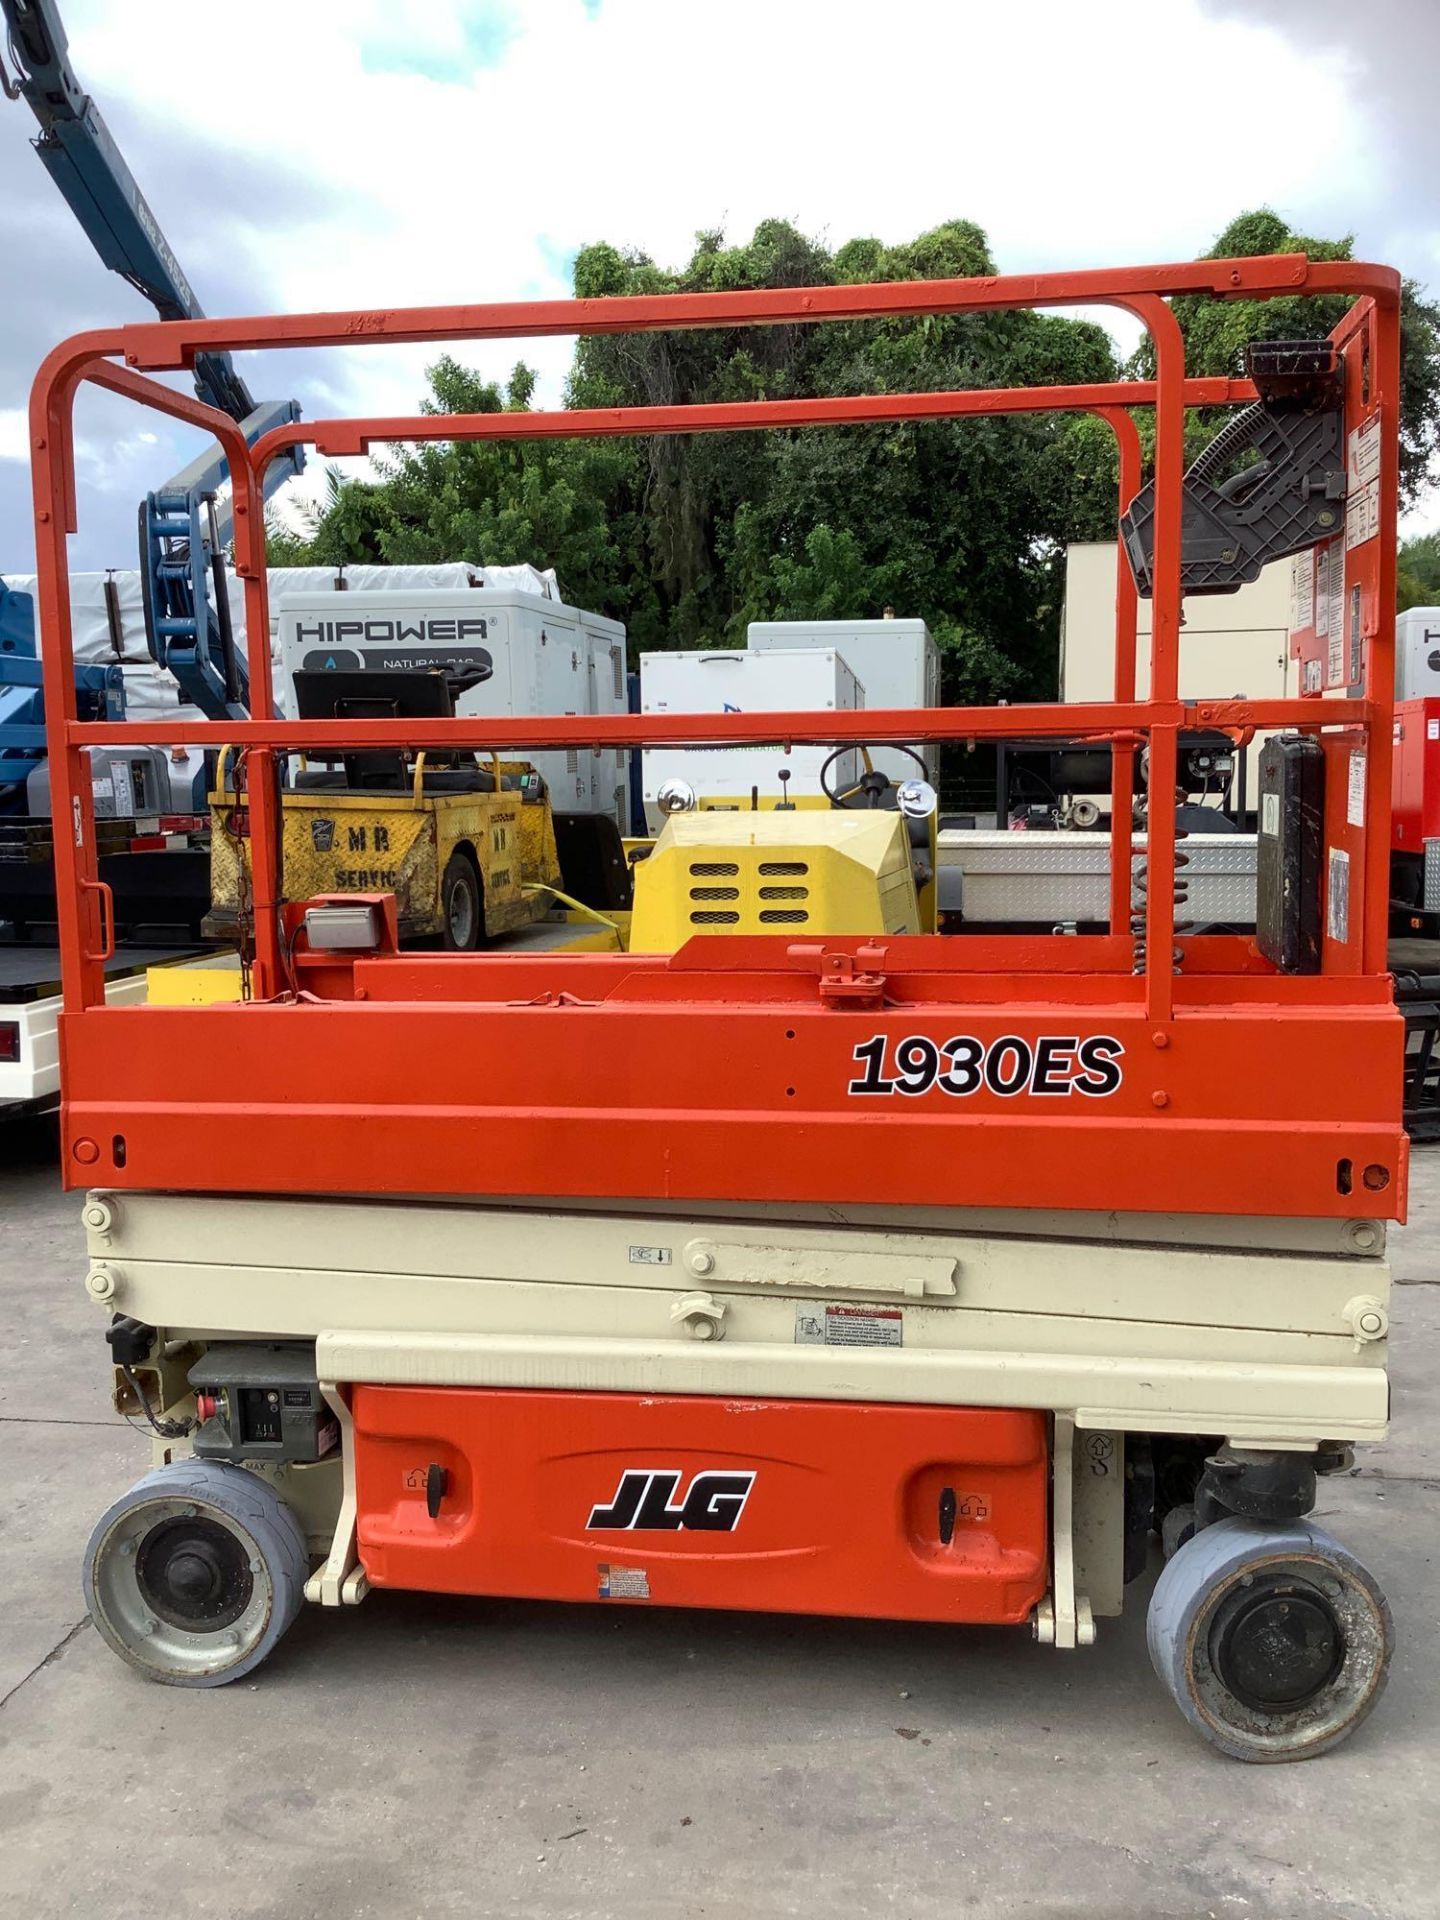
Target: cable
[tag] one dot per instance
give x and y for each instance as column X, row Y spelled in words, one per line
column 167, row 1429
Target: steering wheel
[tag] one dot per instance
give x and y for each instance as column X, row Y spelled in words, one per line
column 873, row 784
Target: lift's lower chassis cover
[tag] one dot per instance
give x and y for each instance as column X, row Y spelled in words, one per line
column 926, row 1513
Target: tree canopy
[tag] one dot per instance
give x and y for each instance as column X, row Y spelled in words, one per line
column 687, row 538
column 1417, row 572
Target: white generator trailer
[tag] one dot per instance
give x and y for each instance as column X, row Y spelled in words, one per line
column 523, row 653
column 802, row 680
column 896, row 661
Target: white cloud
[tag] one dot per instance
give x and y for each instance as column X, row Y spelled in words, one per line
column 14, row 438
column 1074, row 135
column 465, row 151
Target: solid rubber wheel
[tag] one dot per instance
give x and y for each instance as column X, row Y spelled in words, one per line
column 1274, row 1641
column 462, row 907
column 195, row 1573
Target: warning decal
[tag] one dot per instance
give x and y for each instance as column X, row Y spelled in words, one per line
column 623, row 1583
column 1302, row 592
column 849, row 1327
column 1362, row 464
column 650, row 1256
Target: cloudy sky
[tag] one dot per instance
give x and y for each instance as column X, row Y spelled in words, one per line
column 336, row 153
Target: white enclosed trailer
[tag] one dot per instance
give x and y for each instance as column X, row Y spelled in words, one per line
column 609, row 766
column 805, row 680
column 896, row 661
column 536, row 655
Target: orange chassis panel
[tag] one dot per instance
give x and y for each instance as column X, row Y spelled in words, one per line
column 913, row 1513
column 723, row 1074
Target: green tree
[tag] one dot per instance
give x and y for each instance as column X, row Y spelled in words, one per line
column 962, row 522
column 1417, row 573
column 493, row 502
column 958, row 521
column 1217, row 333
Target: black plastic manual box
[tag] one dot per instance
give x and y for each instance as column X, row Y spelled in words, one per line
column 1288, row 860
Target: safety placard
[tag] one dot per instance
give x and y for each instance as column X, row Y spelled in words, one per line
column 1330, row 610
column 623, row 1583
column 1362, row 515
column 1355, row 789
column 849, row 1327
column 1362, row 454
column 1362, row 474
column 1337, row 614
column 1302, row 592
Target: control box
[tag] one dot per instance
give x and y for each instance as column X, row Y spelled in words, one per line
column 261, row 1402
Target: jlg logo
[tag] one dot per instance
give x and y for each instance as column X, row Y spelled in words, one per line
column 645, row 1500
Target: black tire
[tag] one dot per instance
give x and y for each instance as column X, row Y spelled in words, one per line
column 462, row 905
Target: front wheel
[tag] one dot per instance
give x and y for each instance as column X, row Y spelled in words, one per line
column 462, row 906
column 195, row 1573
column 1274, row 1641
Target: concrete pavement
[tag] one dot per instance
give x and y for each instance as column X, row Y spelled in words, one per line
column 434, row 1757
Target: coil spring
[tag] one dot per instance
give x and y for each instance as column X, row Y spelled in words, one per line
column 1139, row 902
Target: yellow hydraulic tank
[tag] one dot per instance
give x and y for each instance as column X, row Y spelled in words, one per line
column 775, row 872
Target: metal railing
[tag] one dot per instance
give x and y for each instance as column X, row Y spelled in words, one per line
column 121, row 359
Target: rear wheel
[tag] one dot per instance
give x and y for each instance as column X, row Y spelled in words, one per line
column 195, row 1573
column 1274, row 1641
column 462, row 905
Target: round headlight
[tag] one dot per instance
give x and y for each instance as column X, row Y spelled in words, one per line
column 676, row 796
column 916, row 799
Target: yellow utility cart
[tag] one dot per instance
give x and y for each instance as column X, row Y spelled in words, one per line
column 469, row 852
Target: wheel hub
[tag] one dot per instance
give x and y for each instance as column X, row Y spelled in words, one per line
column 1277, row 1646
column 195, row 1574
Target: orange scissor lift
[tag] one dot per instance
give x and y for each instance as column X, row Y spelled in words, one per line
column 917, row 1276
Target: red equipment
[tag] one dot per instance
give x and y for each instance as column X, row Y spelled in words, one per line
column 1416, row 794
column 1145, row 1072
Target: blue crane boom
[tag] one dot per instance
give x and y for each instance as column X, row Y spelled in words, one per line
column 183, row 525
